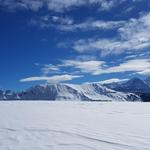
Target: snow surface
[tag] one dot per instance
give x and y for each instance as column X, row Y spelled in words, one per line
column 74, row 126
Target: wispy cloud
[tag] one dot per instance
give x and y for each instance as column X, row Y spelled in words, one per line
column 91, row 25
column 68, row 24
column 47, row 69
column 132, row 36
column 135, row 65
column 13, row 5
column 52, row 21
column 52, row 79
column 97, row 67
column 102, row 67
column 144, row 72
column 91, row 66
column 57, row 5
column 113, row 80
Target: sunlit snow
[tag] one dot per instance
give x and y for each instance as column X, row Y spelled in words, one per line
column 74, row 126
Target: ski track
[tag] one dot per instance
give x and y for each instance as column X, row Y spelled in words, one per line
column 74, row 126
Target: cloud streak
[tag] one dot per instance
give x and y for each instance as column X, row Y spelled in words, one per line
column 56, row 5
column 135, row 65
column 67, row 24
column 113, row 80
column 89, row 66
column 52, row 79
column 91, row 25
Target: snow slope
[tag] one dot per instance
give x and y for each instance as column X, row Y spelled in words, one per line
column 74, row 126
column 85, row 92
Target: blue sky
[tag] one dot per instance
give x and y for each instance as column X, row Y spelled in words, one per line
column 73, row 41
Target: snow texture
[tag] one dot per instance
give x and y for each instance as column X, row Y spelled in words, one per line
column 74, row 126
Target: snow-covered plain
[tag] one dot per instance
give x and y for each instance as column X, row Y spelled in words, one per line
column 74, row 126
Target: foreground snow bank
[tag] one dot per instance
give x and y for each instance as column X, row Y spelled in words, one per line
column 74, row 126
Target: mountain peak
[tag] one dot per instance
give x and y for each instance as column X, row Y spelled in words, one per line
column 134, row 85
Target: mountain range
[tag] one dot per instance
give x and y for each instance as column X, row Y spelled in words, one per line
column 85, row 92
column 134, row 89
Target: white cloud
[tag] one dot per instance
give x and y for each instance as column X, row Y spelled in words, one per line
column 60, row 5
column 50, row 69
column 132, row 36
column 52, row 79
column 91, row 25
column 140, row 66
column 135, row 65
column 62, row 20
column 56, row 5
column 50, row 21
column 34, row 5
column 68, row 23
column 144, row 72
column 95, row 67
column 91, row 66
column 113, row 80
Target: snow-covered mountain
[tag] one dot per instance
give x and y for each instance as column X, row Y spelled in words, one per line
column 84, row 92
column 135, row 85
column 8, row 95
